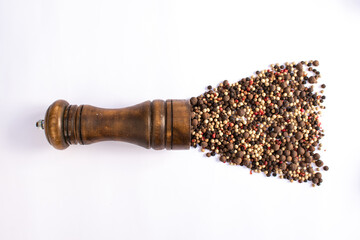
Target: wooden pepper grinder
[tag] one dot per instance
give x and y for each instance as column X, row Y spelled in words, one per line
column 154, row 124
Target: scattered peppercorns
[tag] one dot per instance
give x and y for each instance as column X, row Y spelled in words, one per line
column 268, row 122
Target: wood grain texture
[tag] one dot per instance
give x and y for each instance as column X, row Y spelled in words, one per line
column 54, row 124
column 181, row 113
column 158, row 118
column 158, row 124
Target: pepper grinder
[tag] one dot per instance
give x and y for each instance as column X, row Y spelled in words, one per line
column 153, row 124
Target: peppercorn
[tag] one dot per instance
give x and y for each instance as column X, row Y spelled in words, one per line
column 315, row 180
column 312, row 80
column 298, row 135
column 193, row 101
column 318, row 175
column 237, row 161
column 267, row 122
column 246, row 162
column 299, row 66
column 293, row 167
column 319, row 163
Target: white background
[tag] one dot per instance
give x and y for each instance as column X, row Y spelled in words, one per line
column 119, row 53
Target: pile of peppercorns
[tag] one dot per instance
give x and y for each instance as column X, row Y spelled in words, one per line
column 268, row 122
